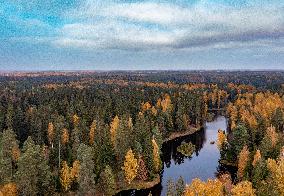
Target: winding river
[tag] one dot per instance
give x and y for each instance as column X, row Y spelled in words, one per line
column 202, row 164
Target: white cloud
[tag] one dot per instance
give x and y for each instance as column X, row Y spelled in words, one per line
column 200, row 15
column 112, row 34
column 150, row 25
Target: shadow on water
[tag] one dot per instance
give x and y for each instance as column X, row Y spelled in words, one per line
column 170, row 152
column 203, row 164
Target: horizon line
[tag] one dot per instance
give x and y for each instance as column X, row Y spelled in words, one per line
column 135, row 70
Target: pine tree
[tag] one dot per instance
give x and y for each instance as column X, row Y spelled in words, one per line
column 86, row 178
column 9, row 152
column 104, row 150
column 113, row 128
column 33, row 175
column 130, row 167
column 107, row 181
column 76, row 140
column 10, row 116
column 278, row 119
column 123, row 140
column 259, row 174
column 171, row 188
column 241, row 138
column 269, row 145
column 180, row 186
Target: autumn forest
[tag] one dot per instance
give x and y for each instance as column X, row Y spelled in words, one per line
column 102, row 133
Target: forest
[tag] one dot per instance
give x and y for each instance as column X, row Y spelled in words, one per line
column 99, row 133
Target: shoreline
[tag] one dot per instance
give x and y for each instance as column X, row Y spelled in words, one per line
column 178, row 134
column 138, row 185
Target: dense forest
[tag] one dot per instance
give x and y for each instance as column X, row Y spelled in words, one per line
column 98, row 133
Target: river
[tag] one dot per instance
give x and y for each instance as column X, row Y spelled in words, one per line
column 202, row 164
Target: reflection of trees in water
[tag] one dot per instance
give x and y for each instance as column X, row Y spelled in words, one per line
column 169, row 149
column 226, row 169
column 156, row 191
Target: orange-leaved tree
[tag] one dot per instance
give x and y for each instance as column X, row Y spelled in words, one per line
column 130, row 167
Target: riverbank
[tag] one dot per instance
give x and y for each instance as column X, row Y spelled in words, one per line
column 179, row 134
column 138, row 185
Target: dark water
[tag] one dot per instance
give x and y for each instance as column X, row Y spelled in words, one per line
column 202, row 164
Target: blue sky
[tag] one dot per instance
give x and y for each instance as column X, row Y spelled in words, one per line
column 117, row 34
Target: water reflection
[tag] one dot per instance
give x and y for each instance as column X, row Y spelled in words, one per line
column 170, row 152
column 203, row 164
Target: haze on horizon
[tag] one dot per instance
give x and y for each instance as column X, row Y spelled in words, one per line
column 141, row 35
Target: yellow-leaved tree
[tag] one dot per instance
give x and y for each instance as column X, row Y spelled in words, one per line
column 243, row 188
column 74, row 172
column 154, row 111
column 65, row 136
column 50, row 133
column 130, row 167
column 9, row 189
column 92, row 132
column 276, row 169
column 76, row 120
column 146, row 106
column 256, row 158
column 209, row 188
column 273, row 135
column 113, row 128
column 15, row 153
column 166, row 103
column 130, row 123
column 65, row 176
column 156, row 156
column 243, row 161
column 221, row 139
column 69, row 174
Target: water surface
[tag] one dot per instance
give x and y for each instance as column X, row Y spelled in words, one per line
column 202, row 164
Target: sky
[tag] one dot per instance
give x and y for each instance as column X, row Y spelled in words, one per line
column 141, row 35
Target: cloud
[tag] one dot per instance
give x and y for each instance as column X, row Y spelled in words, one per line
column 150, row 25
column 115, row 36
